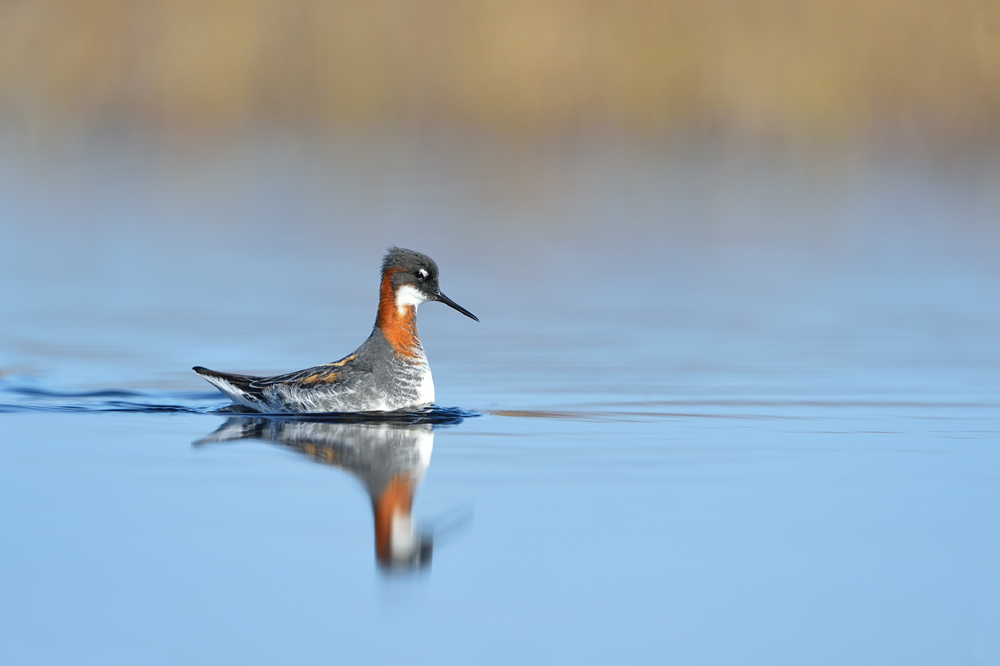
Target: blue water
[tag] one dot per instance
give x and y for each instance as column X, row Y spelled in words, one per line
column 721, row 408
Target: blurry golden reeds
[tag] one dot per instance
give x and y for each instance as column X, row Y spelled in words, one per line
column 788, row 68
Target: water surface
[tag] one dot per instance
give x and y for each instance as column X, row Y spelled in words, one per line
column 721, row 408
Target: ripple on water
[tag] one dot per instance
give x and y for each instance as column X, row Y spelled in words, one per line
column 34, row 399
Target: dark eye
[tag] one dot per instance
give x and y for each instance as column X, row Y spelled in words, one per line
column 422, row 274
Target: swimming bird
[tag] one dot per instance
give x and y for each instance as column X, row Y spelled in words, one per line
column 388, row 372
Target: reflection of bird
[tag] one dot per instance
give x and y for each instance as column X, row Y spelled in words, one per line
column 389, row 459
column 389, row 371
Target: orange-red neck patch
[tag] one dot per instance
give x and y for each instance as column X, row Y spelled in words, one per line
column 398, row 327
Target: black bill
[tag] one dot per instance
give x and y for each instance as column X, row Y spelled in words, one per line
column 447, row 301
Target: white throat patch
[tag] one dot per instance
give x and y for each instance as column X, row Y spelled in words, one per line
column 409, row 296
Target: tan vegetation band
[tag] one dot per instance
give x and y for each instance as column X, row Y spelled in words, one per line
column 811, row 68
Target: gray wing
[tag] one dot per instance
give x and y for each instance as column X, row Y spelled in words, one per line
column 342, row 375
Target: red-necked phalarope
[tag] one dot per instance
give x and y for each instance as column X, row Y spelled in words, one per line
column 389, row 371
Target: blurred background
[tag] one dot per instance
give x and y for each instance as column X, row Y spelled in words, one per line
column 802, row 72
column 174, row 144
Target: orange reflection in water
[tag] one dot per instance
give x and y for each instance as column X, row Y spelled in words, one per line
column 388, row 459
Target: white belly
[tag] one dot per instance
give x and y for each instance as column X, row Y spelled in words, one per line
column 425, row 389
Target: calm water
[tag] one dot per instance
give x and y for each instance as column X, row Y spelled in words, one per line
column 722, row 408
